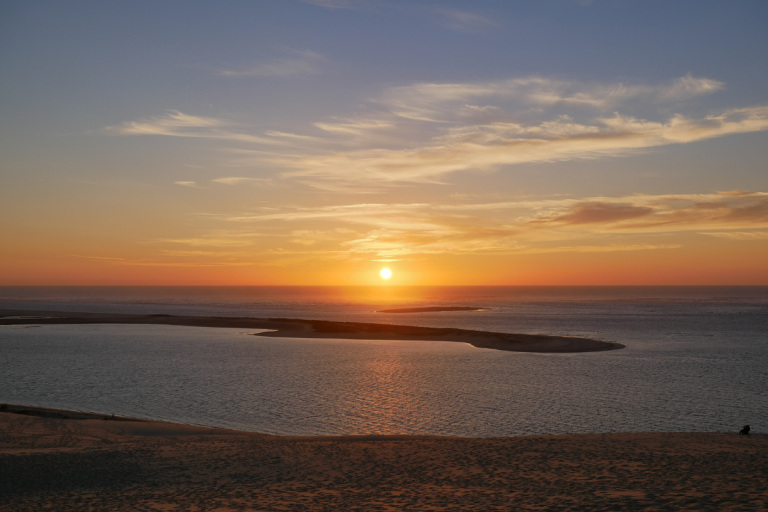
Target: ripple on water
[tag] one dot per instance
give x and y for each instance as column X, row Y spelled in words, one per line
column 226, row 378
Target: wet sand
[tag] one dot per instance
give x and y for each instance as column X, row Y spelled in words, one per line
column 297, row 328
column 91, row 464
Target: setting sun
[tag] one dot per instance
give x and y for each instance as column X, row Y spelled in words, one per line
column 386, row 273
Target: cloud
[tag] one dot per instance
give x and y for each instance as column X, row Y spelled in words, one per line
column 689, row 87
column 381, row 231
column 547, row 92
column 147, row 262
column 422, row 133
column 274, row 133
column 173, row 123
column 187, row 184
column 599, row 248
column 486, row 147
column 354, row 127
column 178, row 124
column 212, row 242
column 233, row 180
column 666, row 213
column 282, row 235
column 598, row 212
column 741, row 235
column 462, row 21
column 305, row 62
column 334, row 4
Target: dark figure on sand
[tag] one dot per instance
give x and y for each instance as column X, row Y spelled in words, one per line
column 744, row 430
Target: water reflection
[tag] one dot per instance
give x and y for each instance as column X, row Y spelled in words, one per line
column 225, row 378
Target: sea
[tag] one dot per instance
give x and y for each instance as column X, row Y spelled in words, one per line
column 696, row 360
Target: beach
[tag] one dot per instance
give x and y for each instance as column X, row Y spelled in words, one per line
column 299, row 328
column 51, row 463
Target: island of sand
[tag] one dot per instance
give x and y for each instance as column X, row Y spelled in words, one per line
column 297, row 328
column 91, row 462
column 431, row 309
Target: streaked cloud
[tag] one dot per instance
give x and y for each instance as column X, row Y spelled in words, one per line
column 237, row 180
column 178, row 124
column 187, row 184
column 335, row 4
column 547, row 92
column 173, row 123
column 150, row 262
column 597, row 212
column 388, row 232
column 486, row 147
column 422, row 133
column 462, row 21
column 284, row 235
column 740, row 235
column 222, row 241
column 302, row 63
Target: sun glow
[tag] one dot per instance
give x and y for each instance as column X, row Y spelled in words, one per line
column 386, row 273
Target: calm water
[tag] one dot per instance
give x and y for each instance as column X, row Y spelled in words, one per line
column 696, row 360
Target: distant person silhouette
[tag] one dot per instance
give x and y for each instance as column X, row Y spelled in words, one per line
column 744, row 430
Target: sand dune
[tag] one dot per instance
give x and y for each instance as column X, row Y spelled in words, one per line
column 92, row 464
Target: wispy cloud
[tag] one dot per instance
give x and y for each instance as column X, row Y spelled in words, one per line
column 462, row 21
column 453, row 19
column 406, row 230
column 422, row 133
column 546, row 91
column 173, row 123
column 690, row 87
column 335, row 4
column 663, row 213
column 221, row 241
column 596, row 212
column 301, row 63
column 187, row 184
column 282, row 235
column 485, row 147
column 149, row 262
column 178, row 124
column 237, row 180
column 740, row 235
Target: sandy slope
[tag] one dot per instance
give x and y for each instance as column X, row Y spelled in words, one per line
column 92, row 464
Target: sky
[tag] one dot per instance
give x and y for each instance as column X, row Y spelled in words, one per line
column 316, row 142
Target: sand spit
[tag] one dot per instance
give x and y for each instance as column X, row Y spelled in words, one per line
column 92, row 464
column 430, row 309
column 296, row 328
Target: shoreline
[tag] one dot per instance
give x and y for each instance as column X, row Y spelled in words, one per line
column 71, row 415
column 300, row 328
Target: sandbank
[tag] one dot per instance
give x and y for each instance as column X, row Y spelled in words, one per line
column 92, row 464
column 431, row 309
column 298, row 328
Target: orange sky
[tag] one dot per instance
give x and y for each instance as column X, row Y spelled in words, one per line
column 299, row 143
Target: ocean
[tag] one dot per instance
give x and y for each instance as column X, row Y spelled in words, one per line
column 696, row 359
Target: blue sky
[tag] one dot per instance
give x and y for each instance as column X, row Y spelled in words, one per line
column 258, row 131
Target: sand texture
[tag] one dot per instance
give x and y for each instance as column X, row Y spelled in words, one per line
column 91, row 464
column 298, row 328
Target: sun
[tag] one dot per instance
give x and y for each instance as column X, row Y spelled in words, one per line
column 386, row 273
